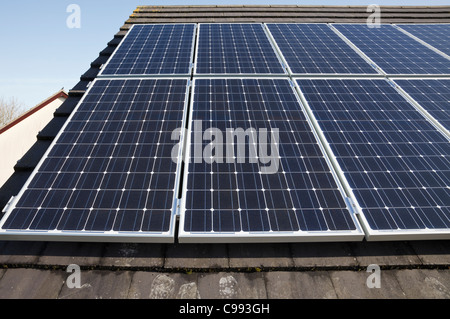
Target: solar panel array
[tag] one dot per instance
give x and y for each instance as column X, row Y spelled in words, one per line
column 252, row 133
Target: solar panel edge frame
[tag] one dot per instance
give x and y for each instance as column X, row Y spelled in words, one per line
column 419, row 107
column 138, row 76
column 238, row 75
column 263, row 237
column 431, row 47
column 91, row 236
column 320, row 75
column 372, row 234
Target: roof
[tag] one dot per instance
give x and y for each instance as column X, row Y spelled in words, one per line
column 413, row 269
column 302, row 270
column 284, row 13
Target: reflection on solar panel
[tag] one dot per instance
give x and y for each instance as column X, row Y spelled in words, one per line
column 233, row 200
column 437, row 35
column 235, row 49
column 393, row 51
column 110, row 172
column 433, row 95
column 154, row 49
column 315, row 48
column 395, row 161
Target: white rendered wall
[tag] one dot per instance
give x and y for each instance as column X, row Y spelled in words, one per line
column 18, row 139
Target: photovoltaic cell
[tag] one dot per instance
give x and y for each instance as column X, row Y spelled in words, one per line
column 437, row 35
column 393, row 51
column 154, row 49
column 235, row 49
column 432, row 94
column 395, row 161
column 110, row 170
column 233, row 199
column 316, row 49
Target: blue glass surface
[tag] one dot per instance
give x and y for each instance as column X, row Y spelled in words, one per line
column 235, row 49
column 315, row 48
column 154, row 49
column 111, row 167
column 432, row 94
column 393, row 51
column 437, row 35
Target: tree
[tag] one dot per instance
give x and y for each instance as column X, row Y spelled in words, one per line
column 10, row 109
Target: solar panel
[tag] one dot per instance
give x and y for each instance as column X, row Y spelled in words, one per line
column 432, row 94
column 235, row 49
column 437, row 35
column 154, row 49
column 395, row 161
column 316, row 49
column 231, row 195
column 109, row 174
column 393, row 51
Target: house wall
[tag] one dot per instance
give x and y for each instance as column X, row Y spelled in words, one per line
column 18, row 139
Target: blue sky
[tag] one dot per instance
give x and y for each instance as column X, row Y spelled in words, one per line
column 39, row 54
